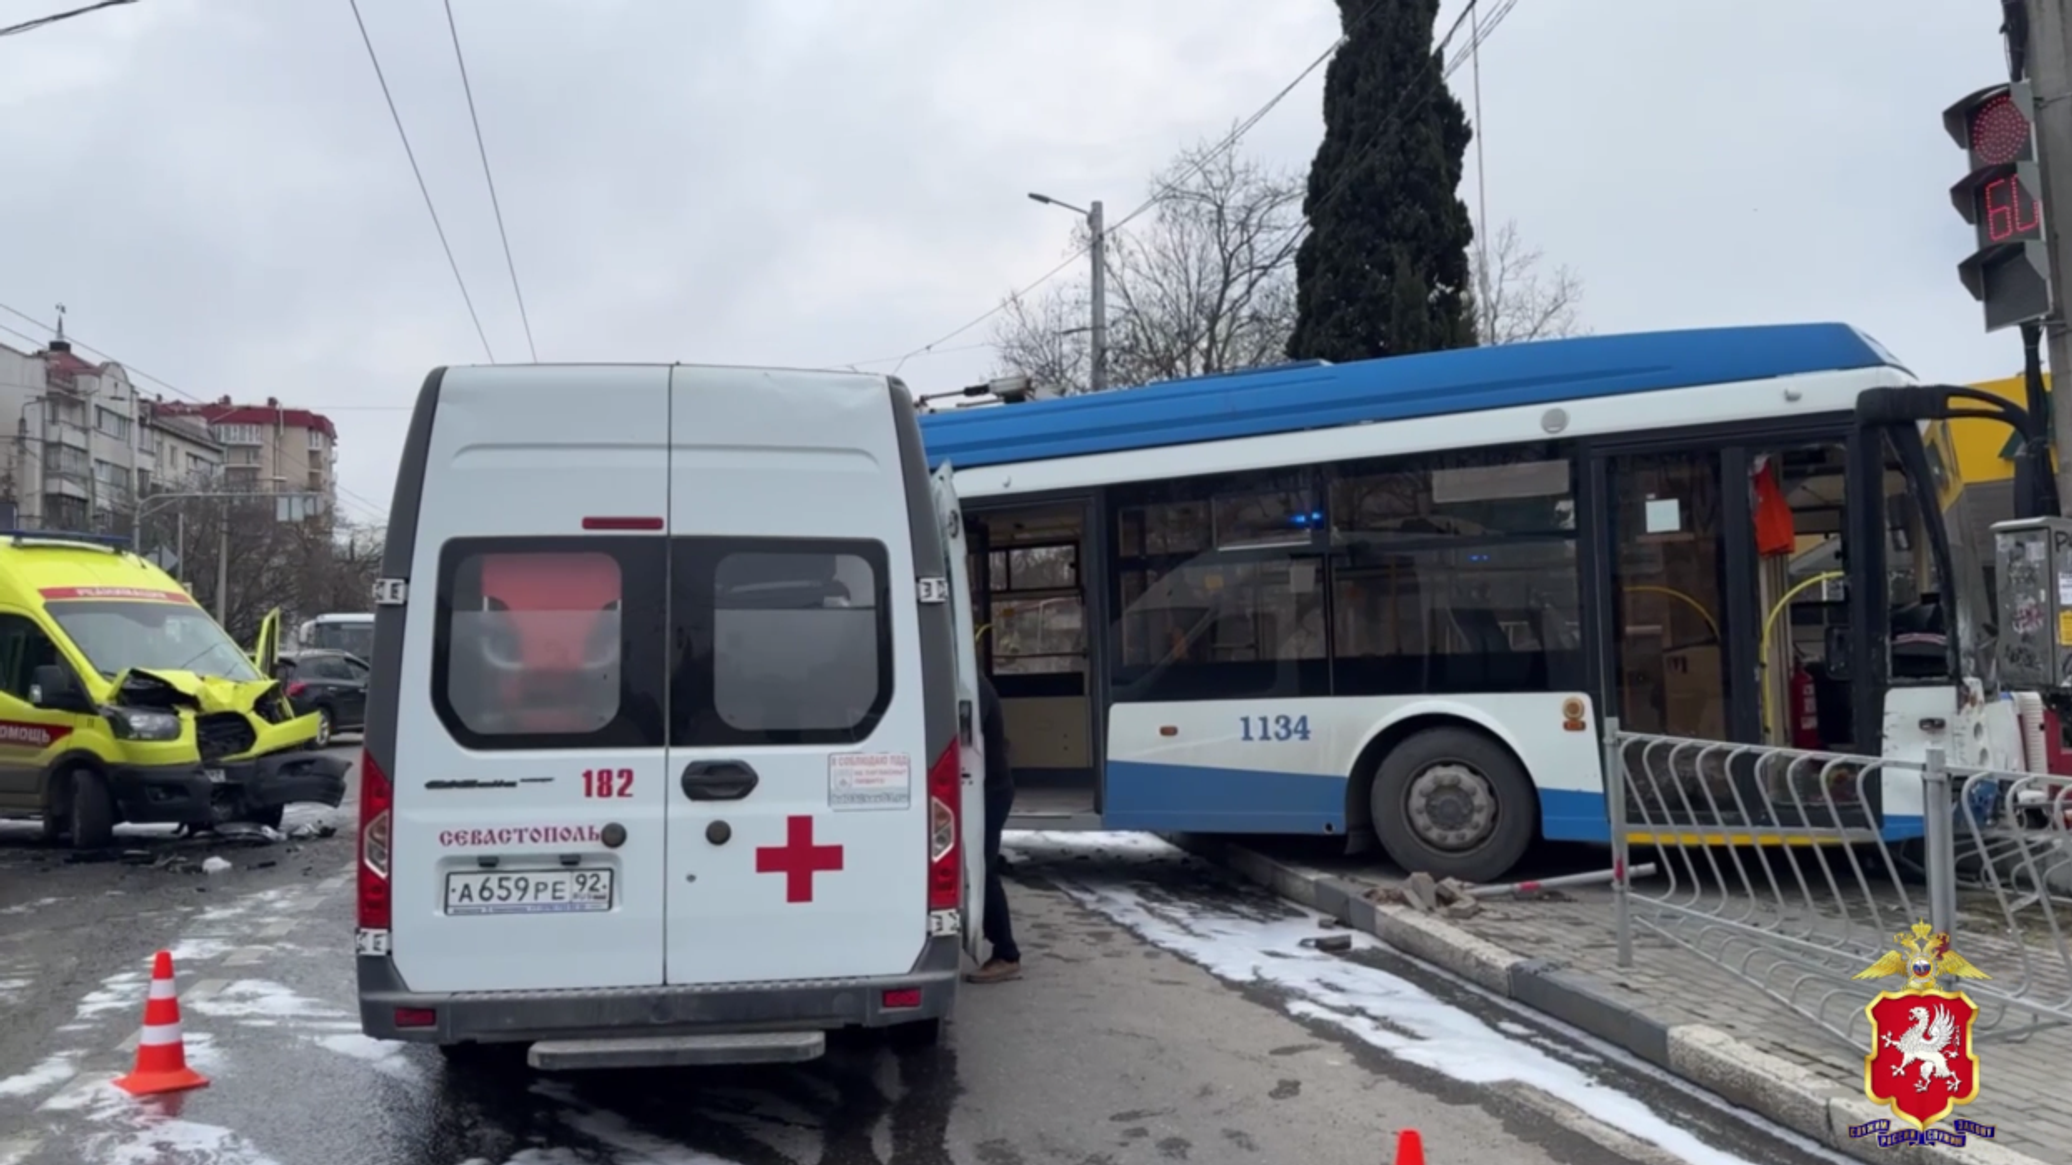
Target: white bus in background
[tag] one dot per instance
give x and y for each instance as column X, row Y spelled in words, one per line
column 348, row 631
column 1391, row 600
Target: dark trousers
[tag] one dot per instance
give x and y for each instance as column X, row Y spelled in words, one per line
column 998, row 930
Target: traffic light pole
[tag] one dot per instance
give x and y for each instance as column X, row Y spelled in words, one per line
column 2047, row 63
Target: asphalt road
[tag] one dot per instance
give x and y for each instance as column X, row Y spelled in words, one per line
column 1166, row 1014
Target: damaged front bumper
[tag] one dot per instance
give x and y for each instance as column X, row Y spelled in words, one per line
column 285, row 778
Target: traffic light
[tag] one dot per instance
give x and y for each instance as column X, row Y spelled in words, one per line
column 2009, row 271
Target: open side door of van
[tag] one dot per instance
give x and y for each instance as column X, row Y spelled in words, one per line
column 970, row 725
column 266, row 649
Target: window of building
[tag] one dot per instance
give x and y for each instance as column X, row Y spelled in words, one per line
column 1455, row 572
column 112, row 423
column 238, row 434
column 316, row 440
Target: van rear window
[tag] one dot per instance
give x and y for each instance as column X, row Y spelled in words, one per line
column 573, row 642
column 550, row 642
column 791, row 641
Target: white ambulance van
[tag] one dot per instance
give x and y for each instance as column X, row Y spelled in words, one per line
column 672, row 749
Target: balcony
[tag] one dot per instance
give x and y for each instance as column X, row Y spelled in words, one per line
column 60, row 433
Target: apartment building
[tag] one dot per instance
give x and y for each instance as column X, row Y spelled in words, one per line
column 270, row 448
column 176, row 454
column 72, row 461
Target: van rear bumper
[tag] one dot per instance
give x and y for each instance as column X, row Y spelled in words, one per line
column 528, row 1016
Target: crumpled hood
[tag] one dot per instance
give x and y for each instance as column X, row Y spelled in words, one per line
column 209, row 693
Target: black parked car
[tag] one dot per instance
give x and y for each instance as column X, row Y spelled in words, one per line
column 331, row 683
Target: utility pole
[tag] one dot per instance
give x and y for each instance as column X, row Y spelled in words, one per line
column 1097, row 227
column 2041, row 53
column 223, row 570
column 1097, row 378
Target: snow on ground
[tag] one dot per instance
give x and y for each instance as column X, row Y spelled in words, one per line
column 1394, row 1016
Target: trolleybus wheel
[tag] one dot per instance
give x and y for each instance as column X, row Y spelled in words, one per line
column 1455, row 804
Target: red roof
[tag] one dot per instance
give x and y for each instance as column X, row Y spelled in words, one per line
column 223, row 412
column 68, row 364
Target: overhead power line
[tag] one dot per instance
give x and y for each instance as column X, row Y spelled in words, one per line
column 490, row 180
column 53, row 18
column 375, row 58
column 1229, row 142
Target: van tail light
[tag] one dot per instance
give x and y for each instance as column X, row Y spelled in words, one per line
column 945, row 864
column 377, row 833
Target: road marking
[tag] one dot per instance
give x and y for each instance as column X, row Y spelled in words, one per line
column 76, row 1094
column 246, row 956
column 280, row 928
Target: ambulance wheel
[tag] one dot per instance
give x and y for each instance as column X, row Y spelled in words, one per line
column 93, row 810
column 920, row 1033
column 1454, row 803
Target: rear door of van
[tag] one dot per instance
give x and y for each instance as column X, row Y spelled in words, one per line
column 800, row 718
column 530, row 789
column 970, row 720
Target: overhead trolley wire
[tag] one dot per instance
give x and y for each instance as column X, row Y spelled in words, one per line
column 375, row 59
column 490, row 180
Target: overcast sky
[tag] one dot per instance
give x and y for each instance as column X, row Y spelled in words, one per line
column 215, row 191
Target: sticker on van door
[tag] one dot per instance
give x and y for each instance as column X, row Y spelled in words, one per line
column 870, row 780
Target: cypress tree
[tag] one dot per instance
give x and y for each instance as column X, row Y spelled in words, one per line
column 1384, row 270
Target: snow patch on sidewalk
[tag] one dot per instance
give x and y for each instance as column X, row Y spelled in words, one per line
column 1394, row 1016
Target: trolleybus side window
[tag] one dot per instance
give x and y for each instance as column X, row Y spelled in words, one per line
column 1220, row 586
column 1455, row 572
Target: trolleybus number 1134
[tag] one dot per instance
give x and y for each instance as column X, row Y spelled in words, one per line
column 1273, row 727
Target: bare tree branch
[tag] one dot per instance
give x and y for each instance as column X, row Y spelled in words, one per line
column 1207, row 286
column 1516, row 300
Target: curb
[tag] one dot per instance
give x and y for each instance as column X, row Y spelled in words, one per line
column 1705, row 1056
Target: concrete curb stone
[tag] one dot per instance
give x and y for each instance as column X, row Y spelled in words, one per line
column 1705, row 1056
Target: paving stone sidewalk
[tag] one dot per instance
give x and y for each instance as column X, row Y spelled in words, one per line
column 2025, row 1084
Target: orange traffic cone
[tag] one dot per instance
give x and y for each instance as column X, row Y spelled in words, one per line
column 161, row 1050
column 1409, row 1148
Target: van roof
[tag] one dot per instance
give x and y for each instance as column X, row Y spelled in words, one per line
column 38, row 566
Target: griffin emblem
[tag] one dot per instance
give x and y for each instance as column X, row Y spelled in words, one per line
column 1921, row 1065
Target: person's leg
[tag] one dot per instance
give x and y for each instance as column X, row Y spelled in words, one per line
column 1004, row 960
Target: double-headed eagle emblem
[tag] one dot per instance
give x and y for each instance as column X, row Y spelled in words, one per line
column 1924, row 957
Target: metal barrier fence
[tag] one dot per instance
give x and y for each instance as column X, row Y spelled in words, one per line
column 1772, row 862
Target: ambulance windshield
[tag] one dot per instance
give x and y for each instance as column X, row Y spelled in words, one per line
column 117, row 636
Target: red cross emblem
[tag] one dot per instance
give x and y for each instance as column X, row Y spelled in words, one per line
column 798, row 859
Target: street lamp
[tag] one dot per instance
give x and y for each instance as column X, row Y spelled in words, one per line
column 1097, row 379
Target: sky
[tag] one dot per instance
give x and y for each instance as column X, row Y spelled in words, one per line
column 217, row 193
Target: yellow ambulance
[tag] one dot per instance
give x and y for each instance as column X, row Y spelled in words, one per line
column 122, row 701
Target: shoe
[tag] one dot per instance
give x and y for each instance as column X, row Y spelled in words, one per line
column 995, row 971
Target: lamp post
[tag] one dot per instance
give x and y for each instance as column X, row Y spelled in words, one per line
column 1097, row 378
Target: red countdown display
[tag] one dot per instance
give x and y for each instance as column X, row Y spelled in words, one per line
column 2008, row 213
